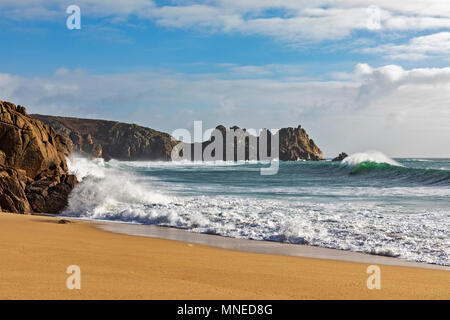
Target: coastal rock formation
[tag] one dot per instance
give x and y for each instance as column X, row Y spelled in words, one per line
column 238, row 144
column 341, row 157
column 121, row 141
column 12, row 190
column 33, row 171
column 295, row 144
column 112, row 139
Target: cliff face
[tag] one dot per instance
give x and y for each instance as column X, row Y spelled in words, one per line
column 294, row 144
column 33, row 171
column 111, row 139
column 121, row 141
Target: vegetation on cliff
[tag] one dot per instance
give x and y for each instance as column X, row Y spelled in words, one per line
column 112, row 139
column 121, row 141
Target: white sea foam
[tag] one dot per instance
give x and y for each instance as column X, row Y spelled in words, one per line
column 372, row 192
column 111, row 191
column 186, row 163
column 82, row 167
column 369, row 156
column 104, row 193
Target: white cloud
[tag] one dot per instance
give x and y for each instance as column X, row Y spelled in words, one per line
column 400, row 112
column 309, row 24
column 251, row 70
column 418, row 48
column 55, row 9
column 293, row 21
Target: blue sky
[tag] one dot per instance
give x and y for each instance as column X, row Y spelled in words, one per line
column 358, row 75
column 39, row 48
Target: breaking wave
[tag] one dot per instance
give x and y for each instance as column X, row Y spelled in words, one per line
column 106, row 192
column 376, row 165
column 302, row 204
column 369, row 157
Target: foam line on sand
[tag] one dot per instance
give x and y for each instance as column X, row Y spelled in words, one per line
column 36, row 251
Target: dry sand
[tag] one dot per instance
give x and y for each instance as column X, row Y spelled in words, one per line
column 35, row 252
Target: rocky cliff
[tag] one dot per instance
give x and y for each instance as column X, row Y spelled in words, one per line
column 239, row 144
column 112, row 139
column 295, row 144
column 121, row 141
column 33, row 171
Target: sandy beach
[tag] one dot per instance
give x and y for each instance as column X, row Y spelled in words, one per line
column 36, row 251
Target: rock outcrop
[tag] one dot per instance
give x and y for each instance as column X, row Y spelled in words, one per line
column 121, row 141
column 112, row 139
column 12, row 190
column 33, row 171
column 340, row 157
column 238, row 144
column 295, row 144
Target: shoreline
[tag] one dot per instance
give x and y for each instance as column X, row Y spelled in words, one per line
column 256, row 246
column 37, row 250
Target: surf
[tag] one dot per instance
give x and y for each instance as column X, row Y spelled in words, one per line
column 385, row 207
column 375, row 157
column 376, row 165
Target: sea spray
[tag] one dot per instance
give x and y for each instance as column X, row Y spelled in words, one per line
column 377, row 166
column 106, row 192
column 369, row 156
column 390, row 210
column 83, row 167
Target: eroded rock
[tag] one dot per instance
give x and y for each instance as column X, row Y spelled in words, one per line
column 341, row 157
column 112, row 139
column 33, row 171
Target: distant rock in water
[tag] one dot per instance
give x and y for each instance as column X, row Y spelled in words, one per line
column 33, row 171
column 240, row 144
column 341, row 157
column 112, row 139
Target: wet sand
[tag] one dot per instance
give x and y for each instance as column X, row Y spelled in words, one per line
column 35, row 252
column 269, row 247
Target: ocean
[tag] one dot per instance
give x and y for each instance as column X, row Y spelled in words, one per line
column 368, row 203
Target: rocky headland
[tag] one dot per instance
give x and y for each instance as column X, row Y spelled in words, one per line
column 295, row 144
column 34, row 176
column 239, row 144
column 122, row 141
column 112, row 139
